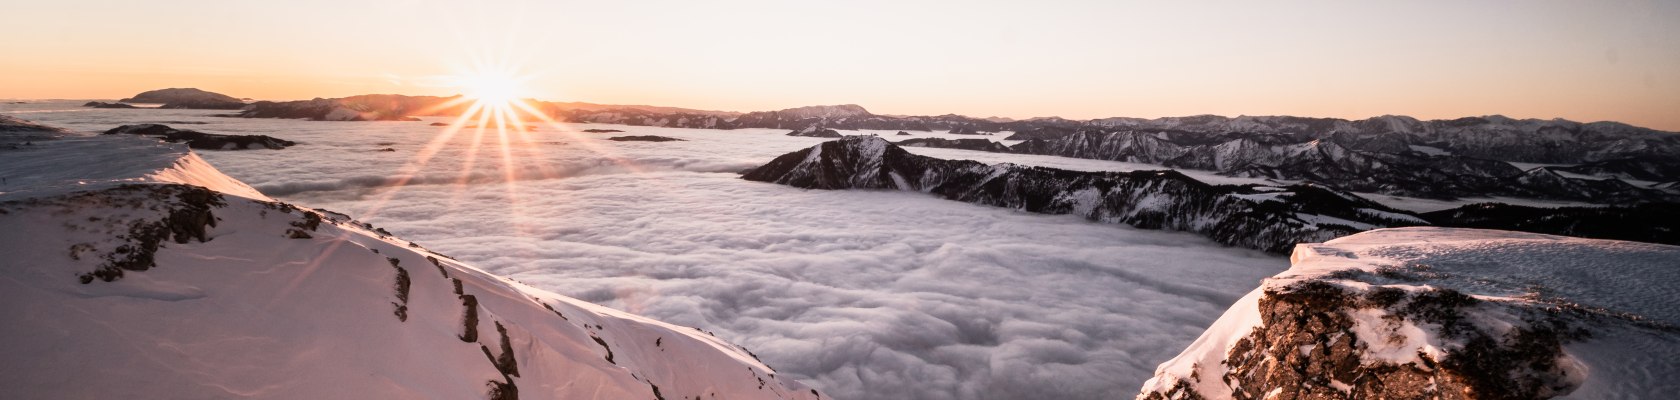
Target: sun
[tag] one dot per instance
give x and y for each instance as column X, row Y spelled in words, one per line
column 493, row 89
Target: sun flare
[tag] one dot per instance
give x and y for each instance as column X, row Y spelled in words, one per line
column 493, row 88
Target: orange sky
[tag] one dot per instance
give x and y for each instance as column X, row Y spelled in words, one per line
column 1586, row 61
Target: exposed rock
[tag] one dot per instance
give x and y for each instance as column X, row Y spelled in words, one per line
column 373, row 107
column 816, row 131
column 1329, row 162
column 100, row 104
column 601, row 130
column 204, row 105
column 1656, row 169
column 903, row 133
column 1429, row 313
column 1651, row 223
column 964, row 144
column 438, row 124
column 201, row 140
column 1144, row 199
column 15, row 131
column 187, row 98
column 644, row 138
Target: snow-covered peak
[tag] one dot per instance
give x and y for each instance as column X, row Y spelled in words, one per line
column 835, row 111
column 1435, row 310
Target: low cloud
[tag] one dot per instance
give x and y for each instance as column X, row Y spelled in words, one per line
column 862, row 294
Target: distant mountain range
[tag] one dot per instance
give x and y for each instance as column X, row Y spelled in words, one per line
column 1608, row 162
column 1270, row 218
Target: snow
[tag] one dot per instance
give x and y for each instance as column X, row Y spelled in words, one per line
column 1393, row 216
column 1619, row 360
column 859, row 294
column 1316, row 219
column 1434, row 151
column 253, row 314
column 1421, row 205
column 1262, row 197
column 1529, row 166
column 100, row 162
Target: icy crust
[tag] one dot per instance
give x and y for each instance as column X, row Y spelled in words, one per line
column 217, row 295
column 1445, row 313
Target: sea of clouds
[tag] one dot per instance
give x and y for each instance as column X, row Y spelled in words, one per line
column 862, row 294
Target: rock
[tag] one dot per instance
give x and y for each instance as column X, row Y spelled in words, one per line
column 387, row 150
column 189, row 98
column 601, row 130
column 646, row 138
column 964, row 144
column 1431, row 313
column 375, row 107
column 204, row 105
column 816, row 131
column 1331, row 163
column 16, row 133
column 1143, row 199
column 438, row 124
column 903, row 133
column 98, row 104
column 201, row 140
column 1650, row 223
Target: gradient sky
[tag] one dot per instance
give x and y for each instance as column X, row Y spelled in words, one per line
column 1580, row 60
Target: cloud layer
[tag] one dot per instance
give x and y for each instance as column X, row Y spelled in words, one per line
column 863, row 294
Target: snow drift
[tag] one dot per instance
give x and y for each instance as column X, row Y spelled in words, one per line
column 150, row 274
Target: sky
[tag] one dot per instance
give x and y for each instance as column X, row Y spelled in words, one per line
column 1579, row 60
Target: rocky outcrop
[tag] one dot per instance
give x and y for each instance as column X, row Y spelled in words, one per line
column 644, row 138
column 373, row 107
column 816, row 130
column 1329, row 162
column 1430, row 313
column 1650, row 223
column 187, row 98
column 204, row 105
column 1145, row 199
column 16, row 133
column 201, row 140
column 1257, row 216
column 100, row 104
column 641, row 117
column 1655, row 169
column 964, row 144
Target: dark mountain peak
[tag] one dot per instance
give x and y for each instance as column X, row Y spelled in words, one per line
column 201, row 140
column 180, row 95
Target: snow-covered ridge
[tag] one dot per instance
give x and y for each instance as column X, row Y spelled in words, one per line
column 146, row 273
column 1409, row 312
column 1145, row 199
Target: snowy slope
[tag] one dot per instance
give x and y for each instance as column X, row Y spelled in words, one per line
column 1424, row 312
column 133, row 269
